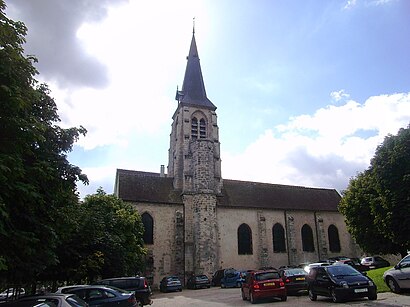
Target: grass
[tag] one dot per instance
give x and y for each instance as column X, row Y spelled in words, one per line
column 377, row 276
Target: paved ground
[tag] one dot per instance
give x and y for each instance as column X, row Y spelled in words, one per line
column 232, row 297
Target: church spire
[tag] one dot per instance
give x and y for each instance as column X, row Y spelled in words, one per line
column 193, row 88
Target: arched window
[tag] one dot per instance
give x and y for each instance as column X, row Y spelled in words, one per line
column 278, row 235
column 194, row 128
column 334, row 241
column 307, row 239
column 202, row 128
column 148, row 223
column 244, row 240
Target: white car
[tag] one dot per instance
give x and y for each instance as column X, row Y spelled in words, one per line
column 398, row 278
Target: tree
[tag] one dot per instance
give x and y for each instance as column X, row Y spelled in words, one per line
column 376, row 203
column 36, row 179
column 107, row 241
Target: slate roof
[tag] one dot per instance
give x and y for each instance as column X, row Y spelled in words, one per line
column 193, row 89
column 137, row 186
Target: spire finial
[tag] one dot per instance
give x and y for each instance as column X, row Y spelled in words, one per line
column 193, row 25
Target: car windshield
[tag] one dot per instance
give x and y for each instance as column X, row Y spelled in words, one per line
column 173, row 278
column 266, row 276
column 201, row 277
column 293, row 272
column 345, row 270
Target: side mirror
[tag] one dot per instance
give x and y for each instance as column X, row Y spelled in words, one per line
column 397, row 267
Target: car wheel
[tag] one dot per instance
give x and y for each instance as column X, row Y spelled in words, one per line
column 335, row 297
column 373, row 297
column 283, row 298
column 312, row 296
column 222, row 285
column 392, row 284
column 180, row 289
column 252, row 299
column 243, row 295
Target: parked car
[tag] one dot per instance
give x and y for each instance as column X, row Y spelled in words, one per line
column 398, row 278
column 337, row 258
column 138, row 284
column 263, row 285
column 354, row 263
column 47, row 300
column 232, row 278
column 314, row 265
column 198, row 281
column 170, row 283
column 340, row 282
column 12, row 293
column 105, row 296
column 294, row 279
column 66, row 289
column 375, row 262
column 217, row 276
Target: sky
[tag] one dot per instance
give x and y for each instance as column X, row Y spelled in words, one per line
column 305, row 90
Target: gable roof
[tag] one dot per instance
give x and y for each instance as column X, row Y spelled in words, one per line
column 135, row 186
column 275, row 196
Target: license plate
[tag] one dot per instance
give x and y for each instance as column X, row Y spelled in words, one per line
column 300, row 278
column 360, row 290
column 269, row 284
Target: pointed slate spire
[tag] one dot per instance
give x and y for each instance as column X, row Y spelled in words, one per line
column 193, row 88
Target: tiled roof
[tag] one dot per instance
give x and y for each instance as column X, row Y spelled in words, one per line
column 146, row 187
column 275, row 196
column 150, row 187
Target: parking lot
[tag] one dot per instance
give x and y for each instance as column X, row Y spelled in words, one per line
column 218, row 297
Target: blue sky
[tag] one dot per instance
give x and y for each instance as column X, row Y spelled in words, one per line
column 305, row 90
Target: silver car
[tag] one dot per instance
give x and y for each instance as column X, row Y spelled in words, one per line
column 398, row 278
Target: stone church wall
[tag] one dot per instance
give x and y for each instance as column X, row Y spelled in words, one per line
column 167, row 252
column 261, row 223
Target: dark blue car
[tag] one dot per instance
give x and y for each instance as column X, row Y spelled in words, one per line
column 232, row 278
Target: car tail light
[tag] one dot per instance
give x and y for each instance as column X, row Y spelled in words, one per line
column 132, row 299
column 282, row 284
column 287, row 280
column 145, row 283
column 255, row 285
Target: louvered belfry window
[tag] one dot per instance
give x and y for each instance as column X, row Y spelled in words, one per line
column 202, row 128
column 194, row 128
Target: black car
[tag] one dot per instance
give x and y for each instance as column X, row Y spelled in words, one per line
column 294, row 279
column 340, row 282
column 105, row 296
column 216, row 277
column 138, row 284
column 170, row 283
column 51, row 299
column 198, row 281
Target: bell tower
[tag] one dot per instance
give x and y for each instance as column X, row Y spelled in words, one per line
column 195, row 165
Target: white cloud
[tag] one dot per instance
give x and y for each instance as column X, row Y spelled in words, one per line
column 339, row 95
column 350, row 4
column 324, row 149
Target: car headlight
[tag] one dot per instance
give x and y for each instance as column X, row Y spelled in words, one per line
column 344, row 284
column 371, row 283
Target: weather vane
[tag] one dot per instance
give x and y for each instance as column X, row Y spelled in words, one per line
column 193, row 25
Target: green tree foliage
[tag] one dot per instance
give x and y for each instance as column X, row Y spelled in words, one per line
column 106, row 242
column 376, row 204
column 36, row 179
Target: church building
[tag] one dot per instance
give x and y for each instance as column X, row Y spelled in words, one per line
column 196, row 222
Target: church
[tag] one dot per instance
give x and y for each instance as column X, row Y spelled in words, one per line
column 196, row 222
